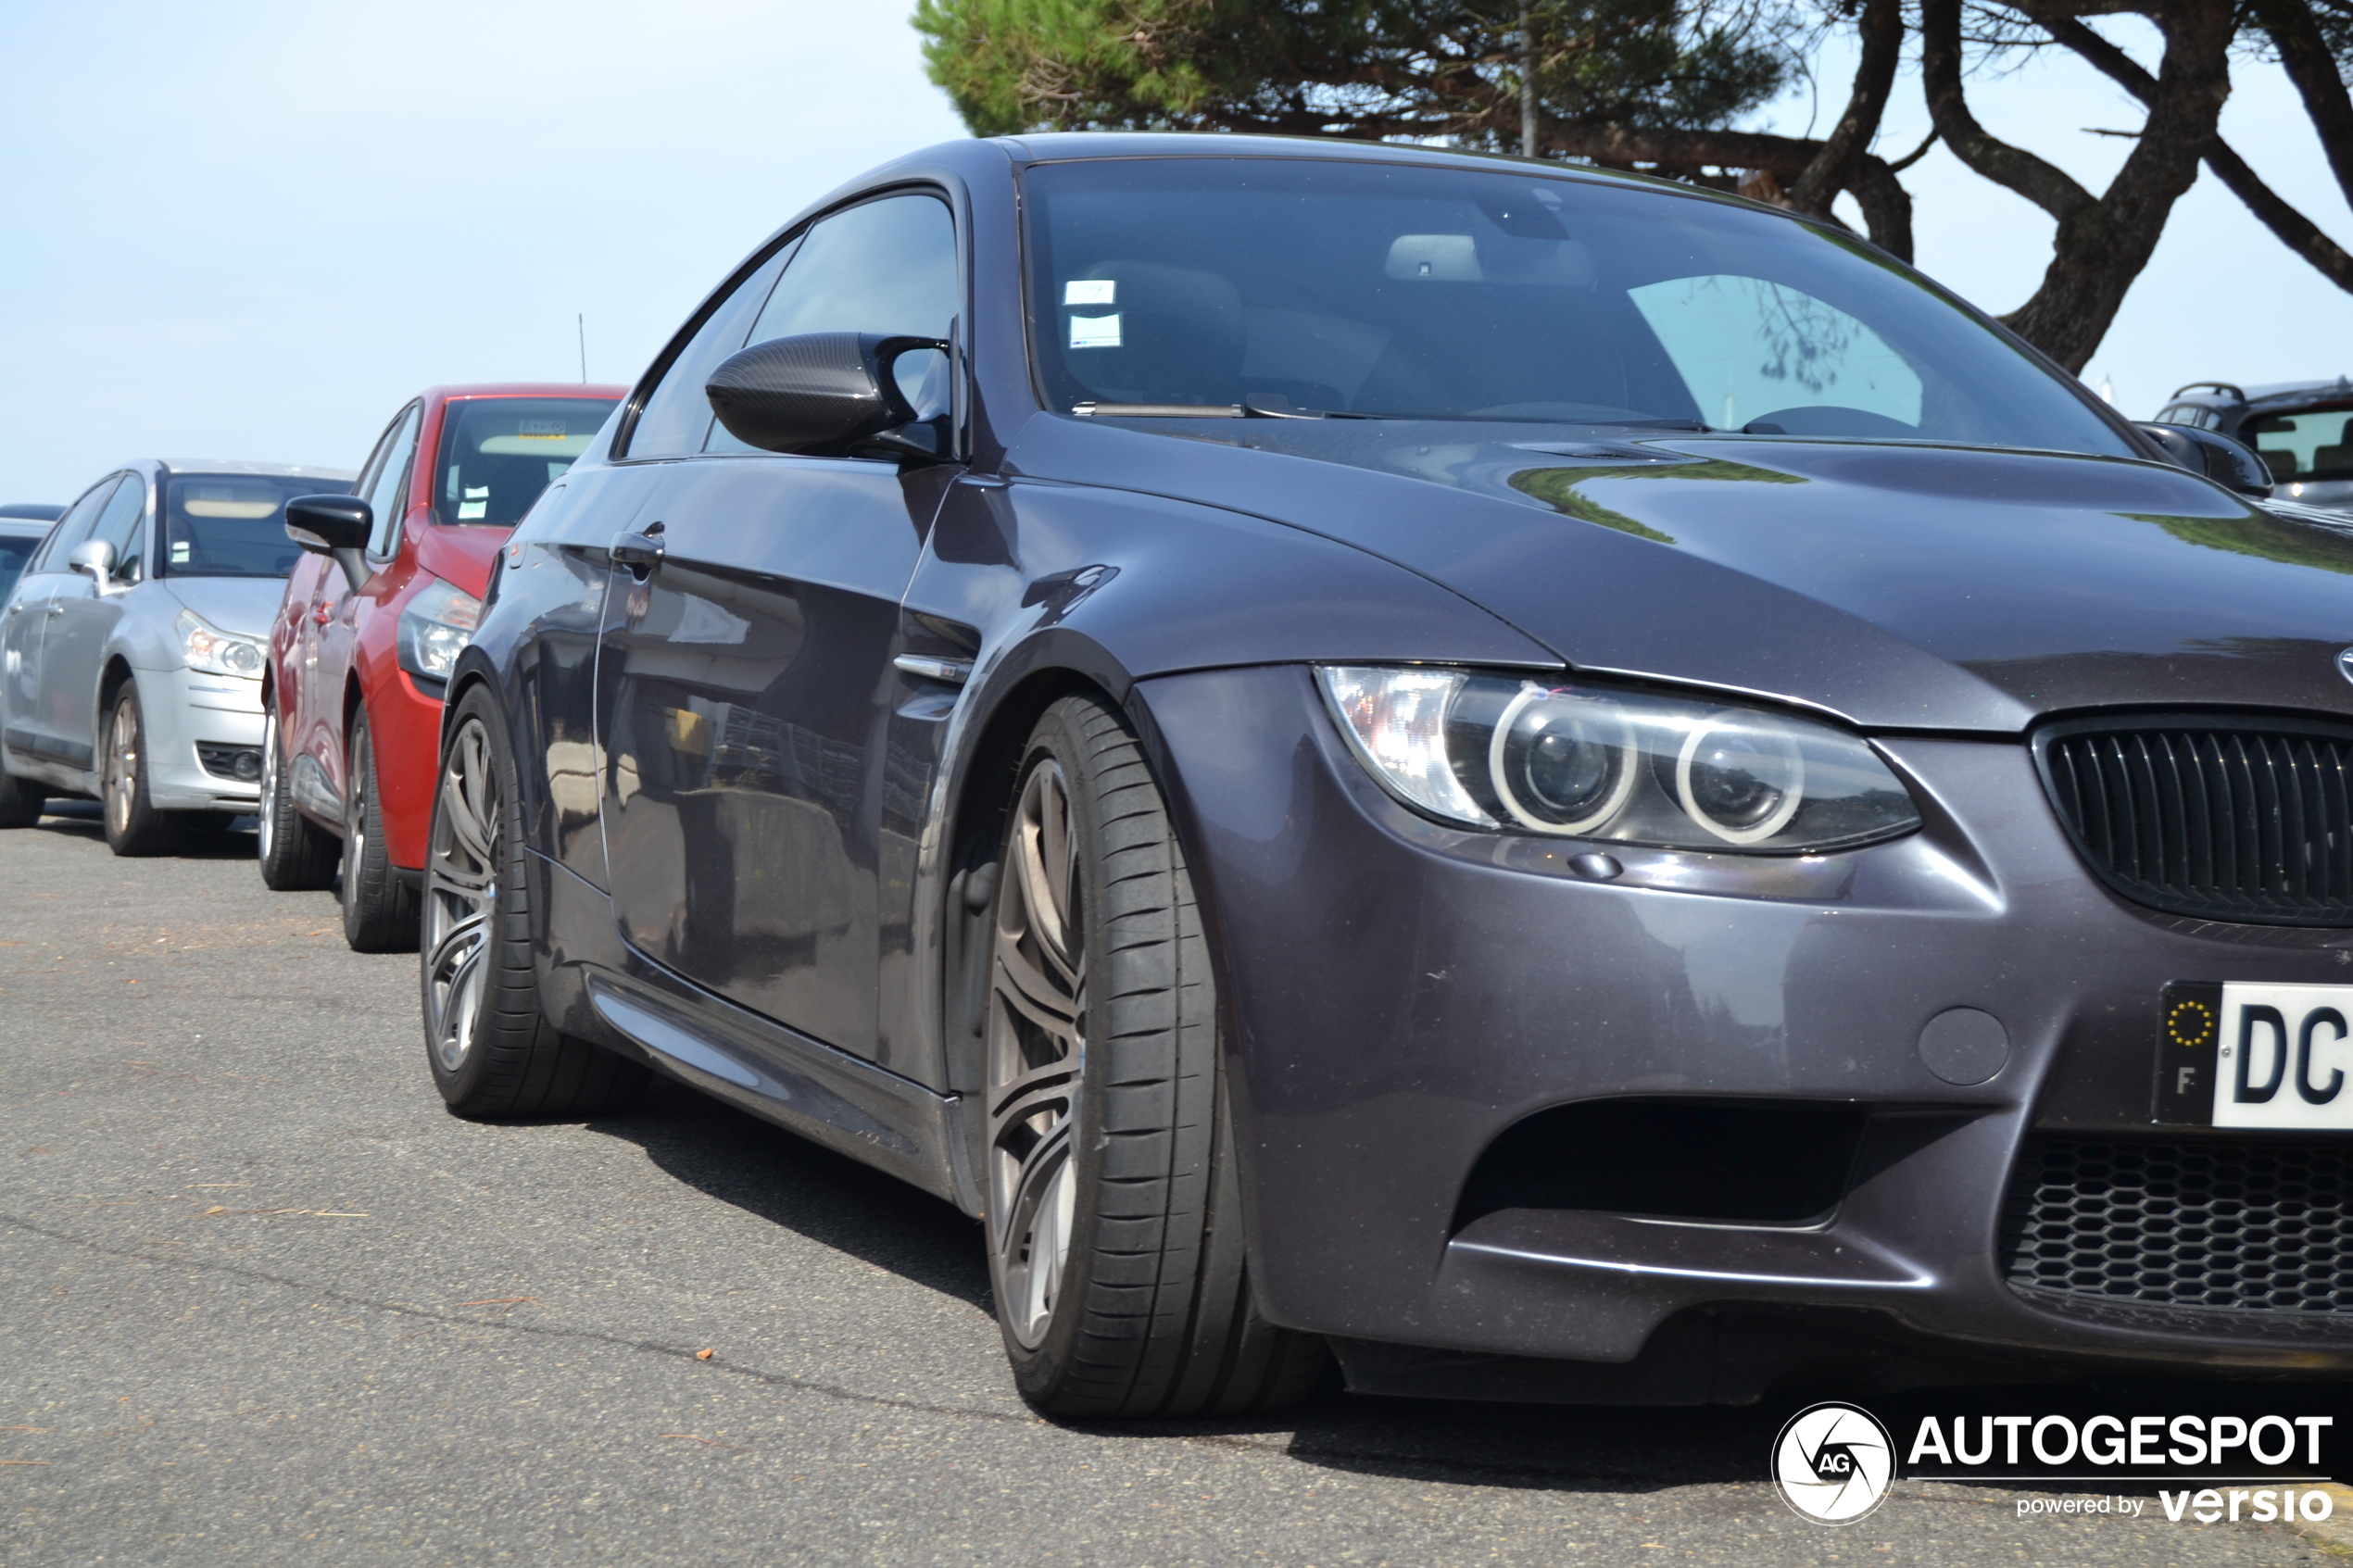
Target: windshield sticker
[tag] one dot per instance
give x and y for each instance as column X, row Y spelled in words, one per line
column 1089, row 291
column 476, row 505
column 546, row 430
column 179, row 552
column 1094, row 332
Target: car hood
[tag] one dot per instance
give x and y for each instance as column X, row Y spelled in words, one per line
column 1902, row 586
column 245, row 605
column 461, row 554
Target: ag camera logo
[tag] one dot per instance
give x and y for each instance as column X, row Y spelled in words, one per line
column 1833, row 1463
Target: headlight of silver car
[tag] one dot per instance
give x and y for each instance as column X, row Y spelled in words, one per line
column 435, row 629
column 208, row 648
column 1579, row 759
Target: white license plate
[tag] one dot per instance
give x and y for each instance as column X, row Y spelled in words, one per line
column 2240, row 1055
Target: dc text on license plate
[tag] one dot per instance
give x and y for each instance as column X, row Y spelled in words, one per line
column 2238, row 1055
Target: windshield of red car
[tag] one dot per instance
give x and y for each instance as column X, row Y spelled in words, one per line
column 498, row 453
column 1406, row 292
column 233, row 525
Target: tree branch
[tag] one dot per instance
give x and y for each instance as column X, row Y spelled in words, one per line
column 2296, row 32
column 1833, row 169
column 2296, row 232
column 2012, row 168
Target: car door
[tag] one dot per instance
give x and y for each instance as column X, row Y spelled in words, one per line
column 37, row 724
column 746, row 681
column 84, row 611
column 330, row 633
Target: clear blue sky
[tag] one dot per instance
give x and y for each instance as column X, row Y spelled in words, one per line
column 252, row 230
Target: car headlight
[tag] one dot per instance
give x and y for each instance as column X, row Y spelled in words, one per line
column 1576, row 759
column 208, row 648
column 435, row 629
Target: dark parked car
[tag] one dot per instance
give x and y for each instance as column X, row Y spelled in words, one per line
column 2303, row 432
column 1573, row 788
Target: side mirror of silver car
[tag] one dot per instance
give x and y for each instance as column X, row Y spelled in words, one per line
column 2227, row 462
column 96, row 558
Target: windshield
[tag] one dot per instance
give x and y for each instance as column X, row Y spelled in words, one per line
column 498, row 453
column 2304, row 444
column 233, row 524
column 1420, row 292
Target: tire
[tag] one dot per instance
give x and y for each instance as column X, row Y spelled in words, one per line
column 488, row 1040
column 297, row 856
column 1115, row 1210
column 133, row 825
column 21, row 802
column 379, row 909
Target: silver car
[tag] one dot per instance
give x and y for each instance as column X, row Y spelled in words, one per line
column 132, row 647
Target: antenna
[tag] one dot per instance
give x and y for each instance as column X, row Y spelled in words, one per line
column 583, row 320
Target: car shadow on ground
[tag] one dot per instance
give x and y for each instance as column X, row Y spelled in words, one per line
column 786, row 1180
column 81, row 818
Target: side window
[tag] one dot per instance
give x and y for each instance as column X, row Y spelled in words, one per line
column 677, row 414
column 72, row 528
column 119, row 526
column 384, row 493
column 886, row 267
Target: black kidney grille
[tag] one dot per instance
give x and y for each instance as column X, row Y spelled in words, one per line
column 2237, row 823
column 2246, row 1227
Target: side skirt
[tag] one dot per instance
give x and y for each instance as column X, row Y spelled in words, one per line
column 827, row 1095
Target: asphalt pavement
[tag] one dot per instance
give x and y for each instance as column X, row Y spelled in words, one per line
column 262, row 1299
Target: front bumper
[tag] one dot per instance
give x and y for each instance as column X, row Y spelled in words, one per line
column 183, row 709
column 1400, row 994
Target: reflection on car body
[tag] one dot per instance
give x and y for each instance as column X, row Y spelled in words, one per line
column 1569, row 788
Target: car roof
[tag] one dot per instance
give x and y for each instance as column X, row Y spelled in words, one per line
column 235, row 465
column 25, row 527
column 31, row 511
column 527, row 389
column 2223, row 393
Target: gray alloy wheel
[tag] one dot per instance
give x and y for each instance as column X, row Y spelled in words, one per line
column 379, row 909
column 1037, row 1044
column 1115, row 1210
column 488, row 1040
column 296, row 856
column 133, row 825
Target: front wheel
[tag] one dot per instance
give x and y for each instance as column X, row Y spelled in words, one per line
column 133, row 825
column 1114, row 1210
column 487, row 1039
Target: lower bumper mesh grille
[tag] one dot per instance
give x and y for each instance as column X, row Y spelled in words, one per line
column 2245, row 1227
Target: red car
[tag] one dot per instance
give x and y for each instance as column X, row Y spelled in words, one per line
column 363, row 645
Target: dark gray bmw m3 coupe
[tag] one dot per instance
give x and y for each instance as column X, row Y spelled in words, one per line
column 1553, row 785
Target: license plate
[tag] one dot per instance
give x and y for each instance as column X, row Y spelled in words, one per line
column 2234, row 1055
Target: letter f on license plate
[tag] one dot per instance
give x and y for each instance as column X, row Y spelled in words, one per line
column 2238, row 1055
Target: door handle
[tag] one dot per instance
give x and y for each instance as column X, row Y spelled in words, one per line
column 322, row 612
column 639, row 552
column 55, row 608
